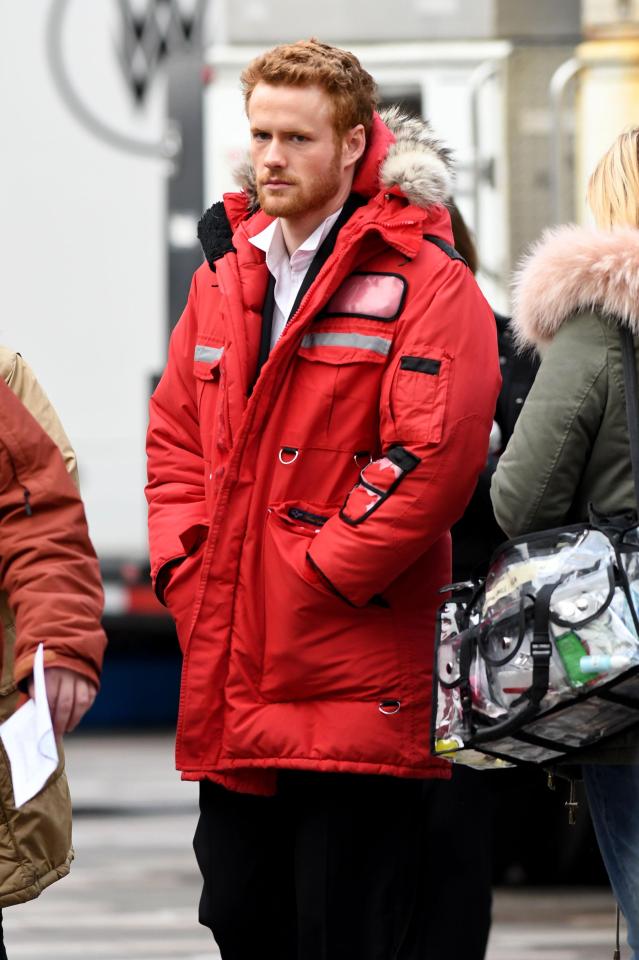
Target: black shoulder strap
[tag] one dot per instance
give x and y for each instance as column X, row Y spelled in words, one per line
column 446, row 247
column 632, row 402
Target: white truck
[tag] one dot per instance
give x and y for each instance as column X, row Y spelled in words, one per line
column 83, row 241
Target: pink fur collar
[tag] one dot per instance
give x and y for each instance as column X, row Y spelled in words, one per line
column 572, row 269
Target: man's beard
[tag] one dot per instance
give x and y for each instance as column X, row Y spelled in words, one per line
column 302, row 198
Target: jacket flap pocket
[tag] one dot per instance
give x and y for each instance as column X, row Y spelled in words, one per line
column 419, row 394
column 206, row 360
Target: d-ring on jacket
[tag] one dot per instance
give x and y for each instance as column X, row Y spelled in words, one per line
column 313, row 510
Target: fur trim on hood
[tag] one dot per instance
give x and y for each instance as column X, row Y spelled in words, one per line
column 572, row 269
column 417, row 163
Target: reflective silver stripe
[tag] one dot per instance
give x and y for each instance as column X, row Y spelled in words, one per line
column 208, row 354
column 358, row 340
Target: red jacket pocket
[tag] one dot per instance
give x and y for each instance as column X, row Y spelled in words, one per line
column 316, row 644
column 418, row 395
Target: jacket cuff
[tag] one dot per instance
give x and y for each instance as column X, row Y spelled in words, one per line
column 23, row 669
column 326, row 565
column 320, row 577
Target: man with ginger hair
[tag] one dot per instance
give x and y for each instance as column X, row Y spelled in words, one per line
column 320, row 425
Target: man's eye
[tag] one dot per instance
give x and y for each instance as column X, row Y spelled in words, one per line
column 262, row 137
column 298, row 138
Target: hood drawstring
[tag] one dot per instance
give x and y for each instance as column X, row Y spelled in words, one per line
column 617, row 954
column 571, row 805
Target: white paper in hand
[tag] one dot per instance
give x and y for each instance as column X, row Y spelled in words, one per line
column 29, row 740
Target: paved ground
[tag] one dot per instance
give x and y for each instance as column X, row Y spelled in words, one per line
column 553, row 925
column 132, row 891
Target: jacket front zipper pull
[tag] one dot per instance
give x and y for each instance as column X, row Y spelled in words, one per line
column 28, row 509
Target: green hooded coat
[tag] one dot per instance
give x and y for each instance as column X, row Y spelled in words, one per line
column 570, row 446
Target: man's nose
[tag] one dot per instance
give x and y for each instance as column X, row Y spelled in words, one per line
column 274, row 155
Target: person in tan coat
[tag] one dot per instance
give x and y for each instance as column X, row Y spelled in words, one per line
column 18, row 375
column 50, row 576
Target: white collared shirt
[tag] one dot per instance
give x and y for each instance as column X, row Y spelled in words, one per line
column 288, row 272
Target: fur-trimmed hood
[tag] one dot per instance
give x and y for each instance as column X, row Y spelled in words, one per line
column 572, row 269
column 402, row 155
column 416, row 163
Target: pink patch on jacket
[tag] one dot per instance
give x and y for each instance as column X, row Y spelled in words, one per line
column 380, row 476
column 376, row 295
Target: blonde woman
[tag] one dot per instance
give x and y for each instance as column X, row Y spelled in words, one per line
column 570, row 449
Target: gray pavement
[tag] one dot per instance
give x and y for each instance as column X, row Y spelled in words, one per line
column 133, row 889
column 553, row 925
column 134, row 886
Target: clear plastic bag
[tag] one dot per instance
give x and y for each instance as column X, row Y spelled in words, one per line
column 584, row 585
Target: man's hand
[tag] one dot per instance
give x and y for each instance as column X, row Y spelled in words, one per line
column 69, row 694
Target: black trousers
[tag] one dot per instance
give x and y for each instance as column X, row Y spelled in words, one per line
column 325, row 870
column 451, row 920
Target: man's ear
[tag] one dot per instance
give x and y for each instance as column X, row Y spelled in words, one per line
column 353, row 145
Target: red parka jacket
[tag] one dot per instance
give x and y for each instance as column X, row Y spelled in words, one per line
column 47, row 564
column 314, row 509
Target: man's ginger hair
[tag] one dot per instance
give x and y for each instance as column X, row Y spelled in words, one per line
column 309, row 63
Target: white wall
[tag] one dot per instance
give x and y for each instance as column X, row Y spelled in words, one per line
column 82, row 253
